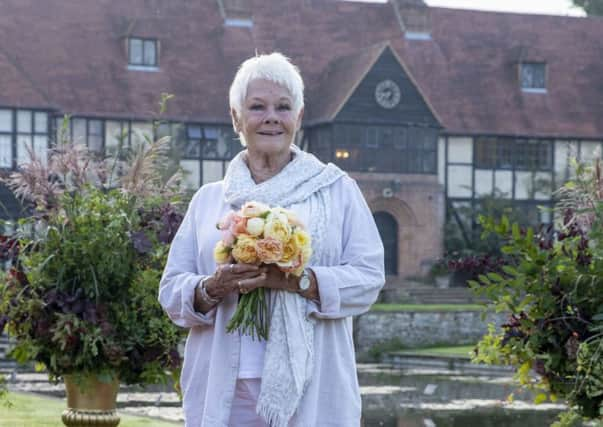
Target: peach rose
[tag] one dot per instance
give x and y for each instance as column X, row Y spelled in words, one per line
column 225, row 222
column 245, row 250
column 228, row 238
column 269, row 250
column 238, row 225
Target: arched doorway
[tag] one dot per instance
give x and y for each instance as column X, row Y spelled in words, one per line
column 388, row 230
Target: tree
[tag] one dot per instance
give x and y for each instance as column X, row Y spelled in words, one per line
column 591, row 7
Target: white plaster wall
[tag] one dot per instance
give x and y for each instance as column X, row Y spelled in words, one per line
column 6, row 121
column 6, row 151
column 112, row 135
column 523, row 185
column 191, row 175
column 503, row 183
column 140, row 130
column 484, row 182
column 543, row 182
column 459, row 181
column 24, row 143
column 589, row 150
column 460, row 150
column 212, row 171
column 564, row 151
column 40, row 148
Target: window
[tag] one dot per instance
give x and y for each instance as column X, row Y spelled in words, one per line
column 23, row 134
column 532, row 76
column 95, row 136
column 206, row 153
column 384, row 149
column 513, row 153
column 143, row 52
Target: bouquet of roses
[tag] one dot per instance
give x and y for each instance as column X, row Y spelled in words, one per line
column 258, row 234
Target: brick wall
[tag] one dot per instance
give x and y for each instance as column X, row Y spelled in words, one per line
column 417, row 203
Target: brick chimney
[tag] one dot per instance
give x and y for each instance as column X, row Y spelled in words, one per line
column 236, row 13
column 414, row 18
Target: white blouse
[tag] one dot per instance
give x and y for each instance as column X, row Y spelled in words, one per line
column 350, row 274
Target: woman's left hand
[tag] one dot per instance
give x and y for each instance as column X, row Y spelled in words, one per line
column 271, row 277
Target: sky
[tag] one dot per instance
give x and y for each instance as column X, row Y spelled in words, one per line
column 547, row 7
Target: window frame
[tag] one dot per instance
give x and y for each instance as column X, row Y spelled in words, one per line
column 503, row 145
column 531, row 88
column 144, row 42
column 34, row 131
column 378, row 149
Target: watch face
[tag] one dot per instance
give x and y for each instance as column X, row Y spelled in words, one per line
column 387, row 94
column 304, row 282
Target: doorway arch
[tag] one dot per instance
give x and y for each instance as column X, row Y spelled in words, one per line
column 388, row 230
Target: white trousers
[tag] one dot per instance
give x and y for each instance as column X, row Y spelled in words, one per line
column 242, row 413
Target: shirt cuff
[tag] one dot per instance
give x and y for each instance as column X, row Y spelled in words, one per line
column 330, row 300
column 188, row 301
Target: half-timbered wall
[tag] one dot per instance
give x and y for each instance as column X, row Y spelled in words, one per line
column 525, row 171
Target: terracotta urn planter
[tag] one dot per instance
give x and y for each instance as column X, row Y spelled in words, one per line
column 92, row 405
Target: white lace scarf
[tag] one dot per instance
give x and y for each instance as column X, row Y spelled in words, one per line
column 289, row 357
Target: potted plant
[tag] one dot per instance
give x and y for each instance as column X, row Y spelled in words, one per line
column 552, row 289
column 79, row 295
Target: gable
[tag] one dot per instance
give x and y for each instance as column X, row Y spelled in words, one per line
column 362, row 106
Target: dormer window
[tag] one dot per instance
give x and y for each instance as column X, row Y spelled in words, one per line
column 236, row 13
column 532, row 76
column 143, row 53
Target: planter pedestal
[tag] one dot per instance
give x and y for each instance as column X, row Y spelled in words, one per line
column 92, row 407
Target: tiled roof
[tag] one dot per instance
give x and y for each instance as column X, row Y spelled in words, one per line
column 71, row 54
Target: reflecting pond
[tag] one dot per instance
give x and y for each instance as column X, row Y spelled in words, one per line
column 444, row 398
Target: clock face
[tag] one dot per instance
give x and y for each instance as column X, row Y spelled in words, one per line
column 387, row 94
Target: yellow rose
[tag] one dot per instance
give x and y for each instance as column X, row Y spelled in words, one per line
column 277, row 229
column 302, row 238
column 290, row 251
column 269, row 250
column 221, row 252
column 244, row 250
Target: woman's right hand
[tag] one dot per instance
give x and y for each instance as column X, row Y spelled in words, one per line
column 226, row 278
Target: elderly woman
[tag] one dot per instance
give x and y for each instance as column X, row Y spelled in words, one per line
column 305, row 373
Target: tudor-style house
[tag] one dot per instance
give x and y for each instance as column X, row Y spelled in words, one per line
column 429, row 109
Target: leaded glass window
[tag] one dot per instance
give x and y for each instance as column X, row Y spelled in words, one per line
column 513, row 153
column 213, row 147
column 385, row 149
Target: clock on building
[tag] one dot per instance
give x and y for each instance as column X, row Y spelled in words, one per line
column 387, row 94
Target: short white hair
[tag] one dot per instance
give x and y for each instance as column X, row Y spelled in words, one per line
column 274, row 67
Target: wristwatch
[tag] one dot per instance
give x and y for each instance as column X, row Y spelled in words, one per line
column 304, row 281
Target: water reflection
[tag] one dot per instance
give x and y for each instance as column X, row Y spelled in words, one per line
column 482, row 418
column 444, row 398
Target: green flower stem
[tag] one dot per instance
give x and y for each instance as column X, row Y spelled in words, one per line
column 251, row 315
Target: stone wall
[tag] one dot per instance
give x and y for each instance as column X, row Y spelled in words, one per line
column 420, row 329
